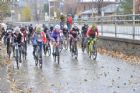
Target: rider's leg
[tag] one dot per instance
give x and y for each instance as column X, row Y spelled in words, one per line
column 34, row 49
column 7, row 47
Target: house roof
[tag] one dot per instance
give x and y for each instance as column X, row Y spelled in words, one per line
column 110, row 8
column 90, row 11
column 107, row 9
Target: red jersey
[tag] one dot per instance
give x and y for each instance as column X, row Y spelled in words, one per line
column 70, row 20
column 92, row 32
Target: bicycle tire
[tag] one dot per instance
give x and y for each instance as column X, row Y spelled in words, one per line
column 49, row 50
column 9, row 52
column 66, row 44
column 40, row 63
column 58, row 55
column 94, row 52
column 45, row 49
column 17, row 59
column 76, row 50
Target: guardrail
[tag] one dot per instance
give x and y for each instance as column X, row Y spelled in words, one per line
column 119, row 26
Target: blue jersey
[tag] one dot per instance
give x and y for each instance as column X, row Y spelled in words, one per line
column 55, row 35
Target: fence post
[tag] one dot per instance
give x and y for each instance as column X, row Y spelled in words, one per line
column 115, row 26
column 133, row 26
column 102, row 25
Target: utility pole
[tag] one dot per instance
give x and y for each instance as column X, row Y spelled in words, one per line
column 49, row 10
column 134, row 8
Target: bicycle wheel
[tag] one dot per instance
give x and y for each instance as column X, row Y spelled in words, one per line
column 9, row 52
column 54, row 53
column 17, row 58
column 66, row 44
column 75, row 50
column 23, row 53
column 72, row 49
column 40, row 62
column 36, row 56
column 48, row 49
column 61, row 46
column 57, row 55
column 20, row 54
column 94, row 53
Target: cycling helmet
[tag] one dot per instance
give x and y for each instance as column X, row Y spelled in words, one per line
column 38, row 29
column 9, row 31
column 17, row 30
column 57, row 27
column 94, row 26
column 75, row 25
column 65, row 26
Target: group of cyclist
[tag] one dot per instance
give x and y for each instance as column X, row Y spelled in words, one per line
column 40, row 35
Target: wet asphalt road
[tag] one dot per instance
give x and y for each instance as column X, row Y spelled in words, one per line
column 106, row 75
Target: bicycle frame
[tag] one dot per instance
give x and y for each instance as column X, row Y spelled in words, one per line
column 74, row 47
column 92, row 48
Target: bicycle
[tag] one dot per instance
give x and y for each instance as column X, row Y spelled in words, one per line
column 65, row 42
column 38, row 57
column 47, row 49
column 9, row 50
column 56, row 53
column 17, row 54
column 91, row 49
column 74, row 50
column 83, row 44
column 24, row 51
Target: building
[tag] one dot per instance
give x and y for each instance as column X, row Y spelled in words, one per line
column 137, row 6
column 106, row 11
column 83, row 6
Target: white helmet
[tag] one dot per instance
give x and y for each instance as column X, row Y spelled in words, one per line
column 57, row 27
column 65, row 26
column 75, row 25
column 17, row 29
column 9, row 31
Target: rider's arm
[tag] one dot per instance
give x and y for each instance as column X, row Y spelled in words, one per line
column 97, row 32
column 88, row 32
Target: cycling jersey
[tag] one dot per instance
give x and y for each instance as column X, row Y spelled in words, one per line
column 55, row 35
column 84, row 29
column 74, row 32
column 92, row 33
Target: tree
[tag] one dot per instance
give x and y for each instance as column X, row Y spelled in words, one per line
column 46, row 8
column 26, row 14
column 127, row 6
column 99, row 6
column 4, row 10
column 71, row 6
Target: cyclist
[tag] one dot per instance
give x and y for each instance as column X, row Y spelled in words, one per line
column 92, row 33
column 30, row 32
column 34, row 42
column 51, row 28
column 8, row 39
column 69, row 22
column 84, row 31
column 24, row 38
column 62, row 20
column 41, row 38
column 47, row 33
column 74, row 33
column 18, row 38
column 56, row 36
column 44, row 36
column 65, row 31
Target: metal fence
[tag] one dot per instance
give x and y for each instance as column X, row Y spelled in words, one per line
column 119, row 26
